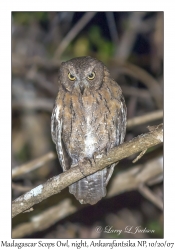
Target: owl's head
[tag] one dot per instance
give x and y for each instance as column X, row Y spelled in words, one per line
column 81, row 75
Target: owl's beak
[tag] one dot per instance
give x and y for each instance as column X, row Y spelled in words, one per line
column 82, row 87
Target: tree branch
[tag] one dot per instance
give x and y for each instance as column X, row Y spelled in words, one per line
column 142, row 75
column 25, row 168
column 57, row 183
column 73, row 33
column 149, row 173
column 44, row 220
column 152, row 116
column 147, row 193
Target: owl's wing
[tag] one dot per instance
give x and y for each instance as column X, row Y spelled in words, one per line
column 122, row 120
column 54, row 125
column 120, row 135
column 56, row 132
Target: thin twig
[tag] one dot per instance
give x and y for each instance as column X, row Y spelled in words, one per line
column 20, row 64
column 44, row 220
column 140, row 74
column 73, row 33
column 27, row 167
column 129, row 36
column 147, row 193
column 139, row 156
column 152, row 116
column 112, row 27
column 133, row 91
column 35, row 104
column 40, row 79
column 131, row 178
column 20, row 188
column 58, row 183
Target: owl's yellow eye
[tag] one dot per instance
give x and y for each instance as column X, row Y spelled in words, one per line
column 71, row 77
column 91, row 76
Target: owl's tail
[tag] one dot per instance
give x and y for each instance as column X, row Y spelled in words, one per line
column 91, row 188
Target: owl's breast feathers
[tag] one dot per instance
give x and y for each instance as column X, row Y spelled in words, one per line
column 89, row 124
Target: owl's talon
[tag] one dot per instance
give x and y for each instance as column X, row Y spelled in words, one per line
column 74, row 165
column 90, row 160
column 93, row 162
column 77, row 165
column 81, row 170
column 106, row 151
column 95, row 156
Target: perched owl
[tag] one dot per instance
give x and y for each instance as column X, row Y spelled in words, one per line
column 89, row 117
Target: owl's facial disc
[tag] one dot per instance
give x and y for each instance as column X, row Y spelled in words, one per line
column 82, row 76
column 85, row 81
column 77, row 82
column 80, row 81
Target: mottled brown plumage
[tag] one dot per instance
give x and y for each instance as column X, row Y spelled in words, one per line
column 89, row 117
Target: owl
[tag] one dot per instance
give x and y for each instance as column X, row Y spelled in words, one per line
column 88, row 118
